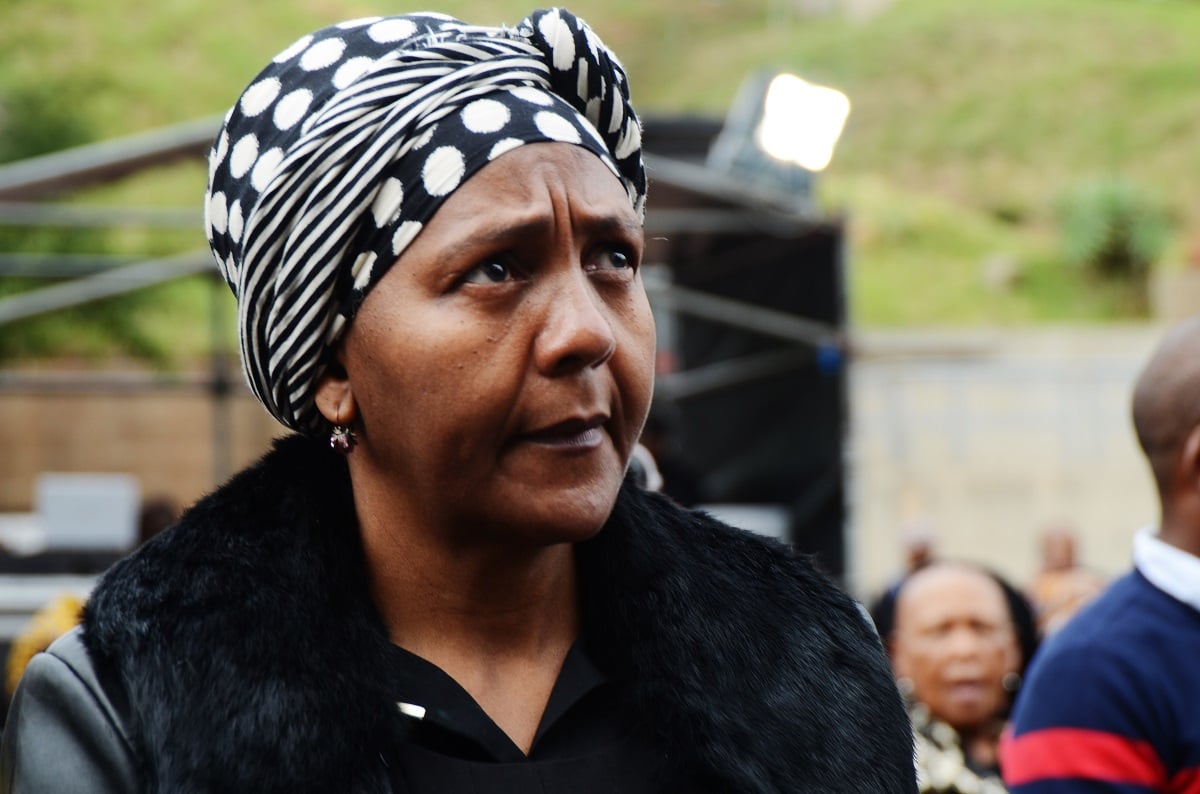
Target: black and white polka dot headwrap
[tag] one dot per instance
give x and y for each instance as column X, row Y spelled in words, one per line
column 339, row 152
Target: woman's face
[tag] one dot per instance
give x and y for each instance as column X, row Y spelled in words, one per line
column 954, row 640
column 503, row 367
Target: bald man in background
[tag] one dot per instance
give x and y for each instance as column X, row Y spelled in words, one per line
column 1112, row 702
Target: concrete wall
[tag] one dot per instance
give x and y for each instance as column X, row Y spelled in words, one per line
column 991, row 436
column 165, row 438
column 988, row 436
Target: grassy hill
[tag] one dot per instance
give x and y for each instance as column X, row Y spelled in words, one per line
column 970, row 121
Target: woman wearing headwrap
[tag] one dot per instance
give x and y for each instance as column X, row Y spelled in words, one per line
column 433, row 231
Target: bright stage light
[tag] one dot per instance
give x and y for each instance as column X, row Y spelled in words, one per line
column 779, row 132
column 801, row 121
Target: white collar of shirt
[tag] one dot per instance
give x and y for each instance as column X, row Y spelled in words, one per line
column 1168, row 568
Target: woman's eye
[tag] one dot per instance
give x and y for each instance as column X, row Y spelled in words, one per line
column 619, row 259
column 614, row 259
column 492, row 272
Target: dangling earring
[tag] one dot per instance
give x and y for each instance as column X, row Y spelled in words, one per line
column 342, row 437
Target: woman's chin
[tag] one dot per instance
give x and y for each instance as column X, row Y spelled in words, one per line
column 567, row 517
column 566, row 505
column 968, row 713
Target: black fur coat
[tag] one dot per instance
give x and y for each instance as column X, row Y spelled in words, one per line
column 250, row 657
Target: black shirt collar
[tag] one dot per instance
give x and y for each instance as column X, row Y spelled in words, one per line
column 453, row 723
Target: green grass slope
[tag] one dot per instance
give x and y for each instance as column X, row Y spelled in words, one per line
column 969, row 121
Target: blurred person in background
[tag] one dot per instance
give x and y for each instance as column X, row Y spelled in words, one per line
column 156, row 514
column 679, row 480
column 643, row 469
column 52, row 620
column 445, row 580
column 1113, row 701
column 1062, row 586
column 919, row 539
column 62, row 613
column 960, row 638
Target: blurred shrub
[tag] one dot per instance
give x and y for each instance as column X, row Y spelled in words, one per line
column 39, row 119
column 109, row 327
column 1114, row 229
column 94, row 330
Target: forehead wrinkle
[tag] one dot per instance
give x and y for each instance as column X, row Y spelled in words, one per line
column 500, row 235
column 587, row 201
column 924, row 594
column 612, row 224
column 548, row 193
column 508, row 233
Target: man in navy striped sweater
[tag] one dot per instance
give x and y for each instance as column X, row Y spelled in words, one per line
column 1112, row 702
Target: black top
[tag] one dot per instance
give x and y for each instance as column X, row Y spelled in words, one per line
column 588, row 740
column 253, row 657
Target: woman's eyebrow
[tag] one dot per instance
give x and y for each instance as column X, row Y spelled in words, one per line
column 621, row 224
column 500, row 235
column 507, row 234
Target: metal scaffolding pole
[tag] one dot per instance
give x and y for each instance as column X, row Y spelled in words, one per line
column 39, row 177
column 749, row 317
column 116, row 281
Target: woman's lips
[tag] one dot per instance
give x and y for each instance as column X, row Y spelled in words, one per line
column 572, row 434
column 969, row 691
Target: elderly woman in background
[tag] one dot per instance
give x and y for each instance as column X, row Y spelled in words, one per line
column 433, row 231
column 959, row 641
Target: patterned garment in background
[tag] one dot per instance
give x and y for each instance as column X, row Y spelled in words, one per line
column 941, row 766
column 56, row 617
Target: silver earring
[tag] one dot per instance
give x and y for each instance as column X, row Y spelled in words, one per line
column 342, row 437
column 1011, row 682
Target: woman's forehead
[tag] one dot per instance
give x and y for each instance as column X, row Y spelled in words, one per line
column 526, row 184
column 950, row 591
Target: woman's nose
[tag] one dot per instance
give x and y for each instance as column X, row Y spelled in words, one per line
column 577, row 331
column 965, row 643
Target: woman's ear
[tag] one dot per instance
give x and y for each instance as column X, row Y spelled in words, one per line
column 335, row 396
column 897, row 655
column 1189, row 459
column 1013, row 657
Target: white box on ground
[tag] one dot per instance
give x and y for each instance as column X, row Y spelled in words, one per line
column 89, row 511
column 770, row 520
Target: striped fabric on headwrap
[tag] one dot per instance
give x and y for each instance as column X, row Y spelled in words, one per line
column 340, row 151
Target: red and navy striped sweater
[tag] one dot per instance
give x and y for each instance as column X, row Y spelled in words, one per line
column 1112, row 702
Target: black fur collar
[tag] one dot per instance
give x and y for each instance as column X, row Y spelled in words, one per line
column 252, row 658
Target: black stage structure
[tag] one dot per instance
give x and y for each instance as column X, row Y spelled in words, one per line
column 753, row 359
column 747, row 288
